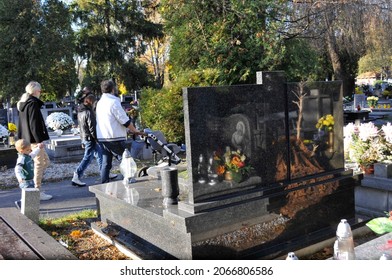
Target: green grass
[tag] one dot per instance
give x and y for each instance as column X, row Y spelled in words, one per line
column 67, row 220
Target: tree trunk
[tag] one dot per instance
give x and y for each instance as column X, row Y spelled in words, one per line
column 340, row 72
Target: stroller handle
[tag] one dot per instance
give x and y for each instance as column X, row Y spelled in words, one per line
column 173, row 158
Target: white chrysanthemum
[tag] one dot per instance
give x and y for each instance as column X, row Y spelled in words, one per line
column 367, row 131
column 387, row 129
column 349, row 130
column 59, row 120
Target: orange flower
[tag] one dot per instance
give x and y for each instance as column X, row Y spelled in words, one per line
column 236, row 161
column 220, row 170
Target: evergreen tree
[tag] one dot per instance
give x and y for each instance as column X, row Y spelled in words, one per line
column 35, row 44
column 110, row 37
column 236, row 37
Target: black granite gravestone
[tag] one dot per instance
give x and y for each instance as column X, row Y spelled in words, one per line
column 295, row 174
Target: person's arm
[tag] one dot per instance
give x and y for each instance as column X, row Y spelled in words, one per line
column 91, row 124
column 36, row 150
column 124, row 119
column 133, row 129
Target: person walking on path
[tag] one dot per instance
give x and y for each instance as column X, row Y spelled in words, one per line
column 87, row 126
column 32, row 128
column 112, row 125
column 24, row 168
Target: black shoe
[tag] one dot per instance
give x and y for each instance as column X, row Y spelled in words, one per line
column 18, row 204
column 78, row 184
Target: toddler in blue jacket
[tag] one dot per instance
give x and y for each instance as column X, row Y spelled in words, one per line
column 24, row 168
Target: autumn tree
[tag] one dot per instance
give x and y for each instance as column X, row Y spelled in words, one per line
column 341, row 28
column 157, row 47
column 378, row 37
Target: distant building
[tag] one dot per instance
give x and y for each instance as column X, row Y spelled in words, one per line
column 367, row 78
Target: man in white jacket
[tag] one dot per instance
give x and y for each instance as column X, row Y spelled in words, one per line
column 112, row 125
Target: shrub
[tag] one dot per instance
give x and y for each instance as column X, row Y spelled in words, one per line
column 163, row 109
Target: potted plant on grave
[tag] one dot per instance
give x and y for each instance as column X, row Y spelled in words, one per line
column 12, row 130
column 366, row 144
column 372, row 101
column 58, row 122
column 326, row 124
column 232, row 165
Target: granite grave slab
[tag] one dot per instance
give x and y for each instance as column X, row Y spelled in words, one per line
column 296, row 172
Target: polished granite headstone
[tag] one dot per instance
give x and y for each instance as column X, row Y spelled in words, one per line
column 297, row 174
column 213, row 118
column 321, row 99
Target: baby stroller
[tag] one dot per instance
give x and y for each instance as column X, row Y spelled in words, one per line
column 154, row 147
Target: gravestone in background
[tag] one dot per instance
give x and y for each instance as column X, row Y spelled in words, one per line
column 47, row 111
column 298, row 174
column 359, row 99
column 4, row 117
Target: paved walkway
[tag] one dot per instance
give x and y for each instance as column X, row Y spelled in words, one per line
column 66, row 198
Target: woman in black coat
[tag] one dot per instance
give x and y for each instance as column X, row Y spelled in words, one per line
column 32, row 128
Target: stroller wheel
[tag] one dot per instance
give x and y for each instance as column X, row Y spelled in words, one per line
column 142, row 172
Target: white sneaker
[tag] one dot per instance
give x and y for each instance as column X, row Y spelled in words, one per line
column 44, row 196
column 112, row 176
column 76, row 181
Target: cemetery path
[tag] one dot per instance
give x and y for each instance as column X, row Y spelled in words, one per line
column 66, row 199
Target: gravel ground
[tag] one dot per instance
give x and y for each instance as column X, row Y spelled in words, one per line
column 54, row 173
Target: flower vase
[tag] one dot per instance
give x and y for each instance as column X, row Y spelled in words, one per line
column 237, row 177
column 228, row 176
column 330, row 141
column 11, row 139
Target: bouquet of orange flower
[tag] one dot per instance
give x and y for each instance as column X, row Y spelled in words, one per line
column 233, row 162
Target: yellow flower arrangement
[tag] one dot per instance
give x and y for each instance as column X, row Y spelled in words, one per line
column 326, row 122
column 372, row 101
column 12, row 128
